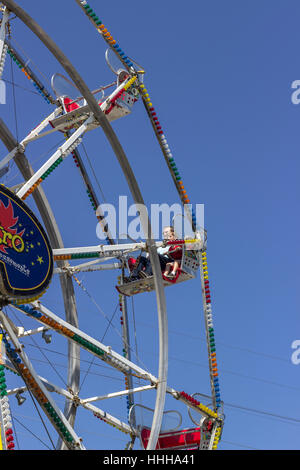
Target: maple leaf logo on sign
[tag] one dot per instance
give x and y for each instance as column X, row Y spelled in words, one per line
column 9, row 236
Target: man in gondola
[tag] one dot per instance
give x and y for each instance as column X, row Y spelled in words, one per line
column 143, row 268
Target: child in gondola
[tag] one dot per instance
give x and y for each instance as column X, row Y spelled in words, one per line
column 174, row 253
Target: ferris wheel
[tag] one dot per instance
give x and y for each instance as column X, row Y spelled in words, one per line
column 30, row 309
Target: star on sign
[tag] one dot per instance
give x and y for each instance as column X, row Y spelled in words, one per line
column 40, row 259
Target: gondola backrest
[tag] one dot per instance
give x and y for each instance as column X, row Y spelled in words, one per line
column 190, row 261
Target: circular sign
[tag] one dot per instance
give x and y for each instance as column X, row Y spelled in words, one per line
column 26, row 261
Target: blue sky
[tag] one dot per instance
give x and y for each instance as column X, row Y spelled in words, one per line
column 219, row 75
